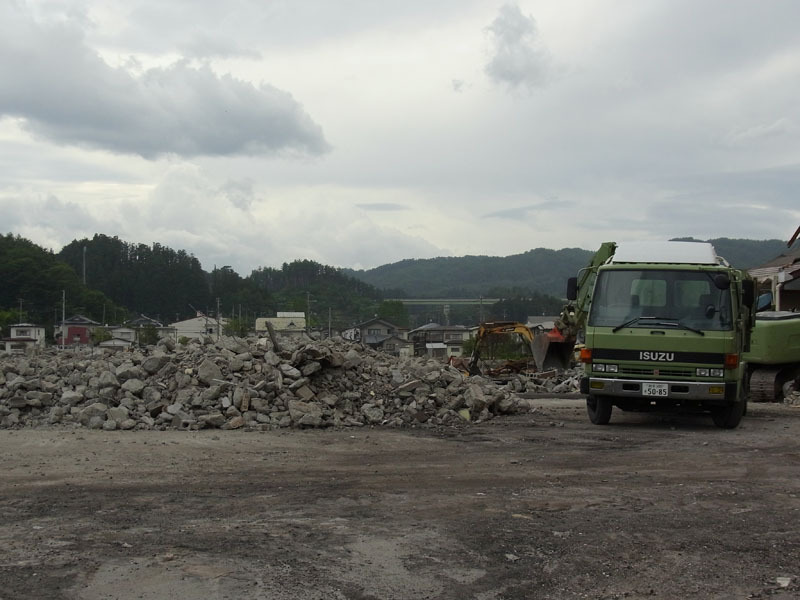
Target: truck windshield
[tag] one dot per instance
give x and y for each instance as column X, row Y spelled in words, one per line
column 640, row 298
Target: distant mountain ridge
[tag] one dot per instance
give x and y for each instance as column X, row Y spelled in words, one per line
column 540, row 270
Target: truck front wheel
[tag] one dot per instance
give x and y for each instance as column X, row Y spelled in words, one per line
column 599, row 409
column 728, row 417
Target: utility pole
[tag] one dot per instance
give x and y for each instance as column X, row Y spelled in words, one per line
column 84, row 265
column 20, row 310
column 329, row 322
column 308, row 312
column 218, row 332
column 63, row 314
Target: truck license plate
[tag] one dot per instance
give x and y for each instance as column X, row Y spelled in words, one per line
column 660, row 390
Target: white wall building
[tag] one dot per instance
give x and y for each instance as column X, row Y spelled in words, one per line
column 199, row 326
column 24, row 338
column 284, row 323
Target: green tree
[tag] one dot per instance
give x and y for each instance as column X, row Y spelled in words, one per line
column 237, row 327
column 99, row 335
column 393, row 311
column 148, row 335
column 7, row 318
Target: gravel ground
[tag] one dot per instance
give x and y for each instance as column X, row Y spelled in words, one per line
column 531, row 506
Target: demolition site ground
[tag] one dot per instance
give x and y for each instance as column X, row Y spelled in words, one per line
column 540, row 505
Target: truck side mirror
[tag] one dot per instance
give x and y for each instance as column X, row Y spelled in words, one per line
column 722, row 282
column 572, row 288
column 748, row 292
column 764, row 302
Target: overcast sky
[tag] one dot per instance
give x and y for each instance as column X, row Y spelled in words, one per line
column 358, row 133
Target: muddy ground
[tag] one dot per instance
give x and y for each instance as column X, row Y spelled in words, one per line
column 531, row 506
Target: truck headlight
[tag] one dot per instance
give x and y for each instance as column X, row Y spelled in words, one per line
column 702, row 372
column 717, row 372
column 612, row 368
column 599, row 368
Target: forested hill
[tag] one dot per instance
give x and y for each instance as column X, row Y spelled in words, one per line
column 34, row 282
column 169, row 285
column 540, row 270
column 745, row 254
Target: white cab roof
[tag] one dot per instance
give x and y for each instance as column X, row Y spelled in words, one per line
column 697, row 253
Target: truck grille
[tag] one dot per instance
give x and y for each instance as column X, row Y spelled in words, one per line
column 673, row 372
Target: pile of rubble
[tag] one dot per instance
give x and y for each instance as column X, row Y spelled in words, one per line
column 235, row 383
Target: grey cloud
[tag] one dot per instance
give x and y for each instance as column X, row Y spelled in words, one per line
column 519, row 212
column 66, row 93
column 57, row 220
column 517, row 57
column 704, row 218
column 157, row 24
column 239, row 193
column 206, row 45
column 381, row 206
column 747, row 135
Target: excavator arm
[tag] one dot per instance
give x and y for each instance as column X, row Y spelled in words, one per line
column 554, row 349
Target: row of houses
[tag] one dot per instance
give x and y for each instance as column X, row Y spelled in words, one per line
column 429, row 340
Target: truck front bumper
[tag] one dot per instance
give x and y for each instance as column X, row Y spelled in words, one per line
column 678, row 390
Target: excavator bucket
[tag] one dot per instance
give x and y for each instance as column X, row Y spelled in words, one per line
column 549, row 353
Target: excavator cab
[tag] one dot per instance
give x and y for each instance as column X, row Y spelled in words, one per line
column 494, row 328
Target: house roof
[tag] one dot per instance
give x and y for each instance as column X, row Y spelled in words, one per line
column 786, row 261
column 282, row 323
column 79, row 320
column 437, row 327
column 377, row 320
column 201, row 319
column 144, row 320
column 395, row 338
column 375, row 339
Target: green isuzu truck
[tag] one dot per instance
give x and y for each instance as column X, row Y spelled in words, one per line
column 666, row 325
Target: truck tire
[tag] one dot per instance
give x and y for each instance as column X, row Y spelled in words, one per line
column 728, row 417
column 599, row 409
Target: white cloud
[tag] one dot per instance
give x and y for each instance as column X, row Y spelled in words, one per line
column 517, row 54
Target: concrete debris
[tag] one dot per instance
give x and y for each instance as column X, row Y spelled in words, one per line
column 547, row 382
column 791, row 392
column 251, row 384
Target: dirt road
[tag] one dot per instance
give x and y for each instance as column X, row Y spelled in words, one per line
column 536, row 506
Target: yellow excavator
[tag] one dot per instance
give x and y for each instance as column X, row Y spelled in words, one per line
column 496, row 328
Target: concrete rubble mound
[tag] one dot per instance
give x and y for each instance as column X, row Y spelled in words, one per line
column 234, row 383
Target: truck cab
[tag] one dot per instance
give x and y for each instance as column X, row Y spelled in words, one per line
column 666, row 326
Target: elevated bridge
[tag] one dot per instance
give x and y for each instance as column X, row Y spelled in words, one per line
column 440, row 301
